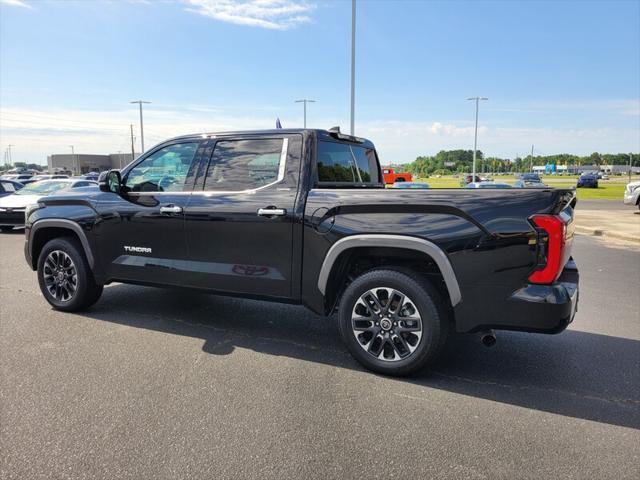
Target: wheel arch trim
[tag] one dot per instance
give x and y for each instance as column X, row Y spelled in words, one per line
column 394, row 241
column 66, row 224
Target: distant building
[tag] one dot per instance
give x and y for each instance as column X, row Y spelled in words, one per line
column 80, row 163
column 624, row 169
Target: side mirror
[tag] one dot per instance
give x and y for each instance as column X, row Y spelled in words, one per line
column 110, row 181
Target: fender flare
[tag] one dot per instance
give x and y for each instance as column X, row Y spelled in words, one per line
column 394, row 241
column 62, row 223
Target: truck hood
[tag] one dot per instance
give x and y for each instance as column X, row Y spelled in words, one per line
column 18, row 201
column 21, row 201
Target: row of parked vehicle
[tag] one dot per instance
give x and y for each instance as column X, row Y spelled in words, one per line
column 526, row 180
column 17, row 194
column 27, row 178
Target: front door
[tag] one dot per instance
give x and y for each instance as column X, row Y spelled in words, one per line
column 141, row 231
column 239, row 220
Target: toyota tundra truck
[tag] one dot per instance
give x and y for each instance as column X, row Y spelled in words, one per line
column 302, row 216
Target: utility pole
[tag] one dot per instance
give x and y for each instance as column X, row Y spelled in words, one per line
column 9, row 153
column 475, row 141
column 353, row 65
column 140, row 102
column 133, row 151
column 531, row 162
column 305, row 101
column 630, row 157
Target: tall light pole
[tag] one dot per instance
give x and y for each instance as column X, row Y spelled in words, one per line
column 475, row 141
column 305, row 101
column 133, row 148
column 9, row 153
column 74, row 160
column 353, row 65
column 630, row 156
column 140, row 102
column 531, row 161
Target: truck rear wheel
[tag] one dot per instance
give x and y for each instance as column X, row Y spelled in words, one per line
column 393, row 322
column 64, row 275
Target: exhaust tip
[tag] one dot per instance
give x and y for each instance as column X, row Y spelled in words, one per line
column 488, row 338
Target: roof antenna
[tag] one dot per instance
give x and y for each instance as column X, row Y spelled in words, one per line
column 335, row 129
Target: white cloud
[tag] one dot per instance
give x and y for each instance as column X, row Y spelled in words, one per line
column 38, row 133
column 16, row 3
column 401, row 142
column 615, row 106
column 270, row 14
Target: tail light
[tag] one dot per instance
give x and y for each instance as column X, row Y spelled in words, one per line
column 550, row 247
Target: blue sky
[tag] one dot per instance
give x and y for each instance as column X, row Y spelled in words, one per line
column 564, row 76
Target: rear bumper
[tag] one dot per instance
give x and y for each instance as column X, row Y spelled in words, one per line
column 531, row 308
column 547, row 308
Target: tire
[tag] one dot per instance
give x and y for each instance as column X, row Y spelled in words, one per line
column 363, row 330
column 78, row 290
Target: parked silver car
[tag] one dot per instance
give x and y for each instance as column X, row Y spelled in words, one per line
column 632, row 194
column 12, row 207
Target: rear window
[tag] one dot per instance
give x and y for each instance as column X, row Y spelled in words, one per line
column 238, row 165
column 346, row 164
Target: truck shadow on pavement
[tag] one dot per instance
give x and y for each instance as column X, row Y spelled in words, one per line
column 576, row 374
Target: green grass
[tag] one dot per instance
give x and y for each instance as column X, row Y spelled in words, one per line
column 607, row 190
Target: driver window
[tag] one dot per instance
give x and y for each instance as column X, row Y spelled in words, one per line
column 163, row 171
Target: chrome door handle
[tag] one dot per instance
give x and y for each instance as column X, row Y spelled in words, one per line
column 272, row 212
column 171, row 209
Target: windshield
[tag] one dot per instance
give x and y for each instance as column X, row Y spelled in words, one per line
column 42, row 188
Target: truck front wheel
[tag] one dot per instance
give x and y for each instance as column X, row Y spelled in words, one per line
column 393, row 322
column 64, row 275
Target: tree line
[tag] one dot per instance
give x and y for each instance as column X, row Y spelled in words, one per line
column 22, row 165
column 460, row 161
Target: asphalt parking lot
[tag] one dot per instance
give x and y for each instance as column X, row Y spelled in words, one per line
column 605, row 205
column 166, row 384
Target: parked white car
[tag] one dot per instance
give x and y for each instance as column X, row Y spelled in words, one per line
column 12, row 207
column 632, row 194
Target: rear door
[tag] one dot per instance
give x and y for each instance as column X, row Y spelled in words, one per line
column 141, row 232
column 239, row 220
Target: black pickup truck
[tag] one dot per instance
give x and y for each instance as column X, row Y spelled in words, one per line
column 302, row 216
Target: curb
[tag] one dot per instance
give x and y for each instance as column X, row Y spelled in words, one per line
column 596, row 232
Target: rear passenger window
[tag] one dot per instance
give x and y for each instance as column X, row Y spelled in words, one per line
column 335, row 163
column 238, row 165
column 344, row 163
column 365, row 163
